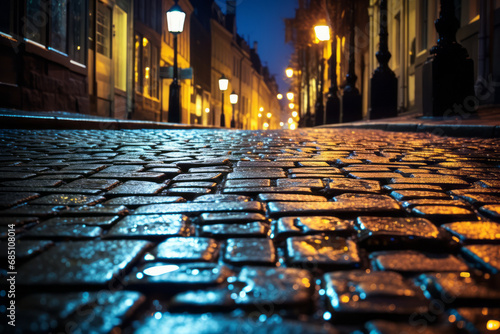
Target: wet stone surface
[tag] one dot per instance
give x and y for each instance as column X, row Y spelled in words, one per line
column 415, row 262
column 215, row 231
column 323, row 252
column 79, row 263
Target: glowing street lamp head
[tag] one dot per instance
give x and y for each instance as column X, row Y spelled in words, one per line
column 322, row 32
column 260, row 115
column 261, row 109
column 269, row 115
column 290, row 96
column 281, row 123
column 295, row 114
column 207, row 110
column 223, row 83
column 266, row 125
column 289, row 72
column 290, row 120
column 279, row 96
column 233, row 98
column 175, row 19
column 291, row 105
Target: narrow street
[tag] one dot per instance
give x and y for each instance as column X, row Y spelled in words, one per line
column 217, row 231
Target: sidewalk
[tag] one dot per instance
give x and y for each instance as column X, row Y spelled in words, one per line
column 20, row 119
column 485, row 124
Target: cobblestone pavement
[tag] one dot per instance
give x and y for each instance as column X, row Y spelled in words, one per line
column 206, row 231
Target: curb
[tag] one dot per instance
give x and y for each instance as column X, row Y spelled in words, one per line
column 67, row 123
column 447, row 130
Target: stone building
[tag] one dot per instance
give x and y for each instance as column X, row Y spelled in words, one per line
column 44, row 55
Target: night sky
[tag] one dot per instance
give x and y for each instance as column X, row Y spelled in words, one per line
column 263, row 21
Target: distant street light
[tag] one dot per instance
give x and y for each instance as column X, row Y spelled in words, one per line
column 291, row 105
column 269, row 115
column 290, row 96
column 289, row 72
column 233, row 98
column 175, row 22
column 223, row 83
column 295, row 114
column 279, row 96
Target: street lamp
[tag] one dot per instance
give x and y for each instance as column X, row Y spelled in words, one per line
column 233, row 98
column 223, row 83
column 279, row 96
column 175, row 22
column 322, row 32
column 290, row 96
column 289, row 72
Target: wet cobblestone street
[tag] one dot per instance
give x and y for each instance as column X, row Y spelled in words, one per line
column 212, row 231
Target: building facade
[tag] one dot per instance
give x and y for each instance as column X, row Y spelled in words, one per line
column 411, row 36
column 112, row 58
column 43, row 52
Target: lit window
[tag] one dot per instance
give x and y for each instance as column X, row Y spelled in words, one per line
column 103, row 33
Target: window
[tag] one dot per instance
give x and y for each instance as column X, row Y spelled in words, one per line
column 120, row 48
column 103, row 33
column 77, row 31
column 36, row 21
column 154, row 72
column 7, row 16
column 137, row 64
column 146, row 63
column 424, row 24
column 58, row 25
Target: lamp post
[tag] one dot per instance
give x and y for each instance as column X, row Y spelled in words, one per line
column 322, row 34
column 384, row 84
column 175, row 22
column 233, row 98
column 333, row 102
column 352, row 108
column 223, row 83
column 289, row 72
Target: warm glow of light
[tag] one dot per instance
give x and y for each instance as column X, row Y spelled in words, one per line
column 223, row 83
column 322, row 32
column 291, row 105
column 261, row 109
column 147, row 73
column 175, row 19
column 295, row 114
column 266, row 125
column 260, row 115
column 269, row 115
column 289, row 96
column 233, row 98
column 492, row 325
column 464, row 274
column 452, row 318
column 279, row 96
column 281, row 123
column 289, row 72
column 207, row 110
column 290, row 120
column 160, row 270
column 344, row 298
column 293, row 126
column 145, row 42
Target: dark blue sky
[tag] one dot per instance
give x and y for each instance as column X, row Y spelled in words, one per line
column 263, row 21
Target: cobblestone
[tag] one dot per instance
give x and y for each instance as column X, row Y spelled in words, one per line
column 212, row 231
